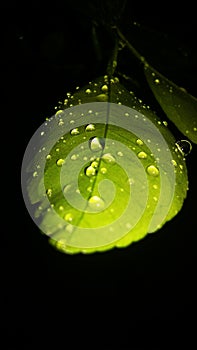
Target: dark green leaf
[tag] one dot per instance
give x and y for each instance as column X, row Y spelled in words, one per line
column 179, row 106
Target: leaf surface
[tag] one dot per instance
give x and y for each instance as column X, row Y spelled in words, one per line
column 179, row 106
column 108, row 171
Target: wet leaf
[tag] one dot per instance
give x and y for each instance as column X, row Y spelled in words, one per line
column 179, row 106
column 103, row 172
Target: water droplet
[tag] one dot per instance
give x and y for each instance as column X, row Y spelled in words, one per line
column 61, row 122
column 155, row 199
column 68, row 217
column 49, row 192
column 74, row 157
column 35, row 174
column 94, row 164
column 152, row 170
column 48, row 157
column 74, row 131
column 142, row 155
column 157, row 81
column 184, row 147
column 165, row 123
column 195, row 129
column 131, row 181
column 67, row 188
column 90, row 127
column 104, row 88
column 155, row 187
column 126, row 114
column 90, row 171
column 61, row 208
column 103, row 170
column 96, row 203
column 88, row 91
column 60, row 162
column 42, row 133
column 102, row 97
column 57, row 150
column 108, row 158
column 174, row 162
column 120, row 154
column 139, row 142
column 96, row 144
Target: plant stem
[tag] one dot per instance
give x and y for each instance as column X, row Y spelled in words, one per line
column 130, row 47
column 112, row 64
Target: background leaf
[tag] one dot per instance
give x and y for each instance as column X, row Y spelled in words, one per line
column 179, row 106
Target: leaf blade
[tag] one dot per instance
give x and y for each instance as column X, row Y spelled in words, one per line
column 179, row 106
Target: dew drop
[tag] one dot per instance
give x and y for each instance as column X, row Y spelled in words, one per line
column 90, row 171
column 88, row 91
column 94, row 164
column 74, row 157
column 120, row 154
column 103, row 170
column 184, row 147
column 155, row 187
column 68, row 217
column 96, row 203
column 104, row 88
column 139, row 142
column 96, row 144
column 152, row 170
column 157, row 81
column 142, row 155
column 48, row 157
column 35, row 174
column 74, row 131
column 108, row 158
column 67, row 188
column 102, row 97
column 90, row 127
column 49, row 192
column 174, row 162
column 61, row 122
column 60, row 162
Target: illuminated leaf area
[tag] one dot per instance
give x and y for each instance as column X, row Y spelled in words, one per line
column 106, row 171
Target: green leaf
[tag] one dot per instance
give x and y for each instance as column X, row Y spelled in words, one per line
column 103, row 172
column 179, row 106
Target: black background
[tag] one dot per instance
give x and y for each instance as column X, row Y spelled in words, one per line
column 47, row 52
